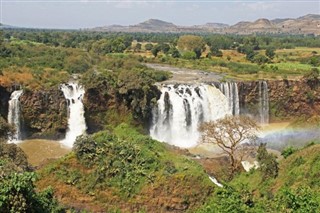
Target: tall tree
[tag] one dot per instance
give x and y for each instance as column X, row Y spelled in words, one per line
column 229, row 133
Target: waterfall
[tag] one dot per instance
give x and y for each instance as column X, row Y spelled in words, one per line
column 263, row 102
column 181, row 108
column 76, row 122
column 230, row 90
column 14, row 115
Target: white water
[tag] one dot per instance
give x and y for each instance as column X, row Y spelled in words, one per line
column 247, row 166
column 76, row 122
column 230, row 90
column 182, row 108
column 14, row 115
column 263, row 102
column 215, row 181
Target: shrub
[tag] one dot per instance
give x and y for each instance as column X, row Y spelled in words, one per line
column 288, row 151
column 267, row 162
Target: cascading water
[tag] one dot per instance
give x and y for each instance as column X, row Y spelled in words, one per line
column 230, row 90
column 181, row 108
column 263, row 102
column 76, row 122
column 14, row 115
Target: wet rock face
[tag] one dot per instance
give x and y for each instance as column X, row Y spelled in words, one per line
column 4, row 99
column 105, row 105
column 96, row 102
column 44, row 114
column 287, row 99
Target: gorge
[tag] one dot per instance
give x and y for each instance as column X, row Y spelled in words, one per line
column 176, row 116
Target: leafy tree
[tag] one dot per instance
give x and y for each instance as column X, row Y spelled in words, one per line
column 267, row 162
column 148, row 46
column 191, row 43
column 270, row 52
column 260, row 59
column 137, row 47
column 164, row 48
column 216, row 52
column 228, row 133
column 174, row 52
column 17, row 194
column 155, row 50
column 198, row 52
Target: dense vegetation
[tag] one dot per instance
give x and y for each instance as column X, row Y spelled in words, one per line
column 287, row 191
column 119, row 169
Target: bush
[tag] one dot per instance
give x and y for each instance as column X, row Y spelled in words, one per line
column 268, row 164
column 116, row 161
column 17, row 194
column 288, row 151
column 189, row 55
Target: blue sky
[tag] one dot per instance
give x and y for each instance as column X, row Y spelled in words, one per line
column 92, row 13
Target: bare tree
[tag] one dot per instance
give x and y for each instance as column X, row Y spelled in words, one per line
column 231, row 134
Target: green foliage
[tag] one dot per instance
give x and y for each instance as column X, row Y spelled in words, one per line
column 189, row 55
column 148, row 46
column 17, row 194
column 268, row 164
column 259, row 59
column 190, row 43
column 117, row 161
column 228, row 199
column 174, row 52
column 288, row 151
column 302, row 199
column 216, row 52
column 270, row 52
column 155, row 50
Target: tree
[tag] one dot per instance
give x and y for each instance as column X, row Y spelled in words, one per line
column 174, row 52
column 198, row 52
column 229, row 133
column 260, row 59
column 191, row 43
column 155, row 50
column 137, row 47
column 270, row 52
column 148, row 46
column 216, row 52
column 164, row 48
column 268, row 164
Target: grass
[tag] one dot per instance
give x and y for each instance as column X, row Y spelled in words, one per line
column 285, row 64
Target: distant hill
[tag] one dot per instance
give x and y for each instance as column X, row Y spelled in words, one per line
column 308, row 24
column 4, row 26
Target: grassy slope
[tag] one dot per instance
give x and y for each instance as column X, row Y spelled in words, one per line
column 171, row 181
column 296, row 189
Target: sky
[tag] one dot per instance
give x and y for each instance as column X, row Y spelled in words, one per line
column 75, row 14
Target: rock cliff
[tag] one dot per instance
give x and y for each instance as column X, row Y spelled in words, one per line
column 44, row 114
column 288, row 99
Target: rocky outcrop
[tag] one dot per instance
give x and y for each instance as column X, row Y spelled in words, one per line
column 105, row 105
column 4, row 99
column 288, row 99
column 44, row 114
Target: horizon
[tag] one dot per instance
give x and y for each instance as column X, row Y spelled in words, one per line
column 69, row 14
